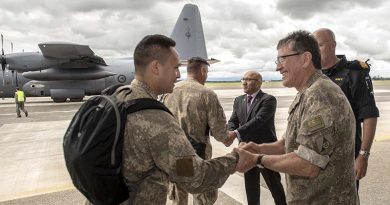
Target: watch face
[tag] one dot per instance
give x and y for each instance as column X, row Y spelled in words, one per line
column 364, row 153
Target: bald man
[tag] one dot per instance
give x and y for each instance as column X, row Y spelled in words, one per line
column 354, row 79
column 254, row 116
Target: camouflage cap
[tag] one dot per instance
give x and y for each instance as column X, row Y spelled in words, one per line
column 198, row 59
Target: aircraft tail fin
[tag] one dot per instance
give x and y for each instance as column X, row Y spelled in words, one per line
column 188, row 34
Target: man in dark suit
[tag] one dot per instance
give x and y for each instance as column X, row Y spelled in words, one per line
column 253, row 116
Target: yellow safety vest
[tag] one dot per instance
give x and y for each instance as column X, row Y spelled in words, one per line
column 20, row 95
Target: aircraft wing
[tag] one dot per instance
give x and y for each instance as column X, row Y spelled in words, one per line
column 76, row 53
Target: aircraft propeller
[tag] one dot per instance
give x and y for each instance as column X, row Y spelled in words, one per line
column 2, row 60
column 12, row 71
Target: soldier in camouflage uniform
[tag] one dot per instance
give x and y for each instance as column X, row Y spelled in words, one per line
column 315, row 152
column 156, row 149
column 199, row 112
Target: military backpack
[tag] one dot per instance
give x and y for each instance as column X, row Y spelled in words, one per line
column 93, row 146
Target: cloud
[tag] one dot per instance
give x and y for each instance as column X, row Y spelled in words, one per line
column 302, row 9
column 242, row 34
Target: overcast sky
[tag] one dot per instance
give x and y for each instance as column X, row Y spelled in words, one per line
column 241, row 33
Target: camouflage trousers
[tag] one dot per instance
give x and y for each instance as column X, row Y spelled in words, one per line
column 180, row 197
column 20, row 106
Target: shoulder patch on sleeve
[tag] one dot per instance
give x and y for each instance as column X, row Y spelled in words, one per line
column 185, row 167
column 315, row 123
column 363, row 65
column 359, row 65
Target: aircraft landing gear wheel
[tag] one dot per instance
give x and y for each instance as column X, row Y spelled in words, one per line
column 76, row 99
column 59, row 100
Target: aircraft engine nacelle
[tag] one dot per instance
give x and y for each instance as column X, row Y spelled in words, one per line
column 34, row 88
column 60, row 95
column 59, row 91
column 31, row 61
column 53, row 74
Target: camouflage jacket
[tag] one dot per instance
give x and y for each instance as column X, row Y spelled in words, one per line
column 321, row 129
column 157, row 151
column 198, row 111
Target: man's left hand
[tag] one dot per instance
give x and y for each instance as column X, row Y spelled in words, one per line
column 246, row 160
column 361, row 164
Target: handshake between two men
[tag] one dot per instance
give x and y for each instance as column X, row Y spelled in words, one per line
column 249, row 155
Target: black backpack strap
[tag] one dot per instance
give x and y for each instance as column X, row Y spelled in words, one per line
column 111, row 89
column 145, row 103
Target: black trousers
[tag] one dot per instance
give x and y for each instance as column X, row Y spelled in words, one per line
column 272, row 179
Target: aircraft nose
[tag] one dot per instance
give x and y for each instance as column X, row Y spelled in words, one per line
column 28, row 89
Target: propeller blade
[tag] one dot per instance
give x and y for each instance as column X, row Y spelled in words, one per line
column 12, row 79
column 2, row 60
column 2, row 41
column 16, row 79
column 12, row 47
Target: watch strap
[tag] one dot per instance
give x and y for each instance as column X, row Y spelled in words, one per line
column 259, row 162
column 364, row 153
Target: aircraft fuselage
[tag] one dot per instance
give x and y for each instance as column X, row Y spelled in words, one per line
column 65, row 70
column 63, row 84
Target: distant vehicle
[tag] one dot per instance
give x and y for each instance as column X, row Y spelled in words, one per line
column 67, row 70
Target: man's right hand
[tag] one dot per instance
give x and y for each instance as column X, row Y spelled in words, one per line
column 251, row 147
column 232, row 134
column 246, row 160
column 230, row 139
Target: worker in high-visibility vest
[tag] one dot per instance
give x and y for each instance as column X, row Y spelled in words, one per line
column 20, row 98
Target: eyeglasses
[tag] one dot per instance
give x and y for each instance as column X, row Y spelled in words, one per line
column 248, row 79
column 281, row 59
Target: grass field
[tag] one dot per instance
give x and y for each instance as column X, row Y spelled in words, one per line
column 381, row 82
column 276, row 84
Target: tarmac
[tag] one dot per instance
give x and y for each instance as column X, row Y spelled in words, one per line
column 33, row 169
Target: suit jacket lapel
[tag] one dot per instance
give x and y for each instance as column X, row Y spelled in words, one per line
column 243, row 107
column 255, row 101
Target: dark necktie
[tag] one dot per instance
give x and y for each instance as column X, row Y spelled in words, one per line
column 248, row 103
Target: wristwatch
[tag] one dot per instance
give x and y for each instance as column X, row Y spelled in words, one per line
column 364, row 153
column 259, row 163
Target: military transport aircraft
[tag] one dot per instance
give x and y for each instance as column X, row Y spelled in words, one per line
column 67, row 70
